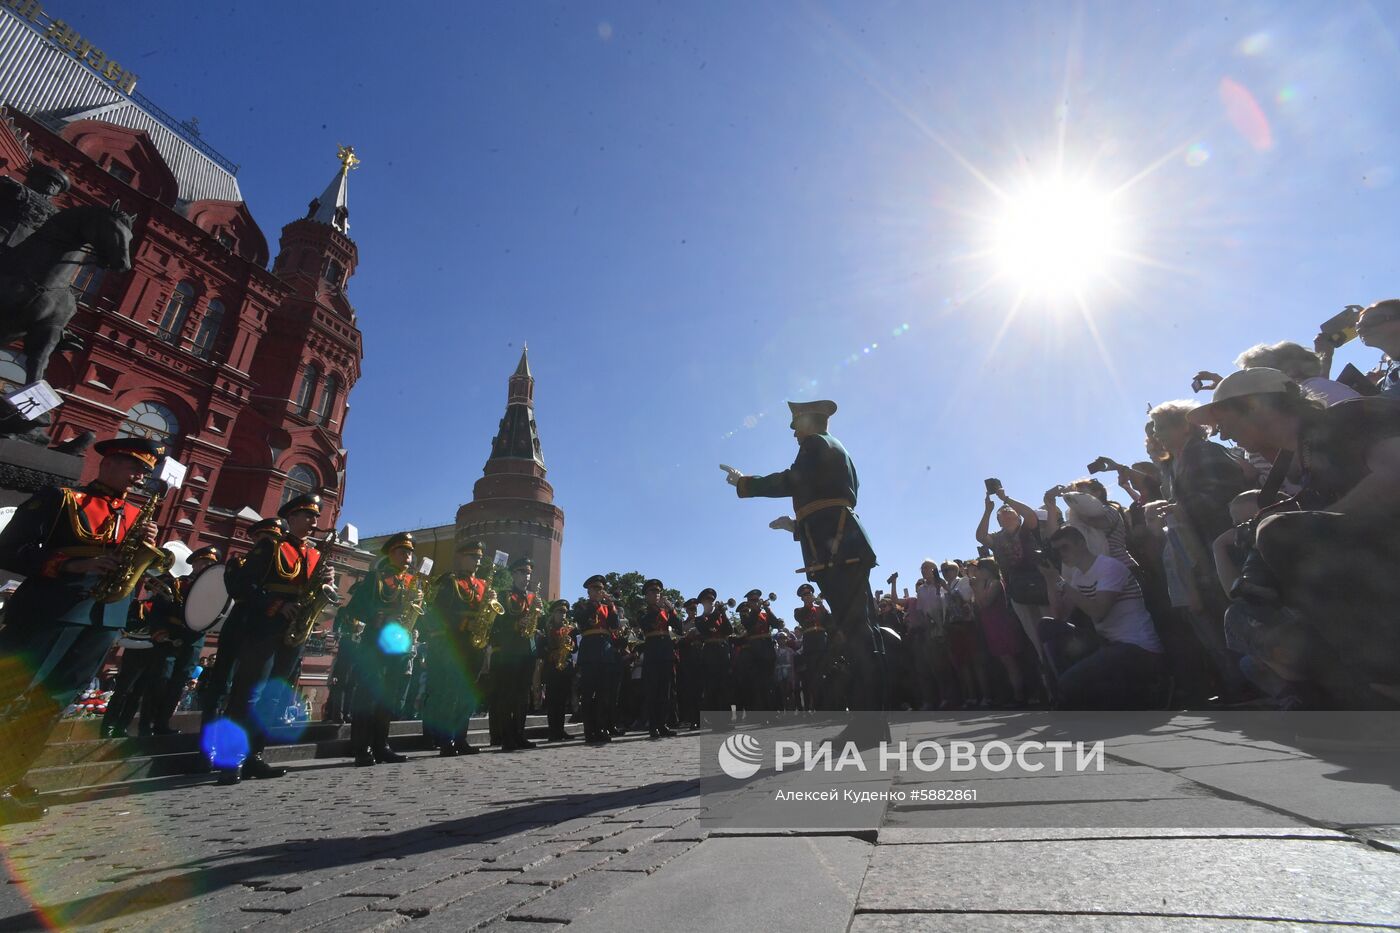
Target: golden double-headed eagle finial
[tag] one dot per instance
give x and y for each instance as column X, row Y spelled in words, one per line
column 347, row 156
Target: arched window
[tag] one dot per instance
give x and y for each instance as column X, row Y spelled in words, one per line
column 328, row 394
column 208, row 334
column 335, row 273
column 301, row 480
column 309, row 378
column 12, row 363
column 155, row 421
column 178, row 308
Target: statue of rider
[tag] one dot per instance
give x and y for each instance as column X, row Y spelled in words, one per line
column 25, row 207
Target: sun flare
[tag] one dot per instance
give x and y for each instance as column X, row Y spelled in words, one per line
column 1056, row 238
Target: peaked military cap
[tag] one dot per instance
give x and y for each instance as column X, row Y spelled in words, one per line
column 144, row 449
column 39, row 170
column 752, row 593
column 311, row 502
column 559, row 603
column 402, row 539
column 267, row 526
column 471, row 547
column 209, row 552
column 597, row 579
column 708, row 593
column 522, row 563
column 806, row 588
column 822, row 409
column 650, row 583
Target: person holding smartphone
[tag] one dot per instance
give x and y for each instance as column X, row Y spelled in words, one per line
column 1016, row 547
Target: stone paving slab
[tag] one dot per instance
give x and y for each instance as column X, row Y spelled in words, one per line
column 1079, row 923
column 742, row 884
column 1295, row 880
column 622, row 838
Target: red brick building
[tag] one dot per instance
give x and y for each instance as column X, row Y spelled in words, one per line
column 245, row 371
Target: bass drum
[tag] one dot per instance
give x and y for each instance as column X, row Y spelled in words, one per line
column 207, row 604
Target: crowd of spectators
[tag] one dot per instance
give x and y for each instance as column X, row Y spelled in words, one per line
column 1251, row 560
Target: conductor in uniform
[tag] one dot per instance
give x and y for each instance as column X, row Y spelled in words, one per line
column 63, row 541
column 836, row 552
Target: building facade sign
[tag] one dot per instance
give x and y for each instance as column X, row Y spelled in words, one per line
column 65, row 37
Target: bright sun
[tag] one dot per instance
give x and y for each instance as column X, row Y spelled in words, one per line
column 1056, row 238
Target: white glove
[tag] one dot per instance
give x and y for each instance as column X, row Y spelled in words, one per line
column 784, row 523
column 734, row 475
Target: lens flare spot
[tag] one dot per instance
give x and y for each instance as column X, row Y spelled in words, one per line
column 224, row 743
column 1245, row 114
column 394, row 639
column 1197, row 155
column 1288, row 94
column 1255, row 44
column 750, row 422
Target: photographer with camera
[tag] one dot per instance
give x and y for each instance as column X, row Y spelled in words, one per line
column 1318, row 594
column 1017, row 549
column 1117, row 661
column 1089, row 509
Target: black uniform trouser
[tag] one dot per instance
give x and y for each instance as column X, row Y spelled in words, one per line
column 714, row 666
column 183, row 662
column 558, row 685
column 342, row 681
column 142, row 679
column 216, row 682
column 755, row 674
column 510, row 697
column 377, row 675
column 689, row 688
column 658, row 681
column 261, row 688
column 595, row 696
column 847, row 590
column 814, row 670
column 43, row 668
column 453, row 695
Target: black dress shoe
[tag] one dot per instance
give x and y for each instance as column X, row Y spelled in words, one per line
column 653, row 733
column 388, row 756
column 16, row 810
column 256, row 767
column 230, row 776
column 364, row 760
column 448, row 750
column 465, row 749
column 669, row 733
column 526, row 743
column 617, row 730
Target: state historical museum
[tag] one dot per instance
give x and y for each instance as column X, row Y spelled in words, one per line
column 244, row 370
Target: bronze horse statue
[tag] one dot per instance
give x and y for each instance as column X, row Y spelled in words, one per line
column 36, row 293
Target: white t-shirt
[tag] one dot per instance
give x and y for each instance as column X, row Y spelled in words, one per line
column 1127, row 621
column 1331, row 392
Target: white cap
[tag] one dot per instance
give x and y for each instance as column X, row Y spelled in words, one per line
column 1257, row 381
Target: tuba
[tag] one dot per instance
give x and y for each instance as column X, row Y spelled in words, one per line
column 312, row 604
column 417, row 605
column 134, row 559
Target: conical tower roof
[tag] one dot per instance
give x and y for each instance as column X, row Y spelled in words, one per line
column 333, row 207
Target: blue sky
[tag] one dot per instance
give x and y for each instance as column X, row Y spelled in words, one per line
column 695, row 212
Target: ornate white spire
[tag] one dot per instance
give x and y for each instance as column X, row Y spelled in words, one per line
column 332, row 207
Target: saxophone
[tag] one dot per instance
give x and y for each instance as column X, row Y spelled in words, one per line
column 563, row 645
column 483, row 615
column 134, row 558
column 416, row 606
column 530, row 619
column 311, row 605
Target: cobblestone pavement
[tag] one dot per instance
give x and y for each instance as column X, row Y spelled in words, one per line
column 619, row 836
